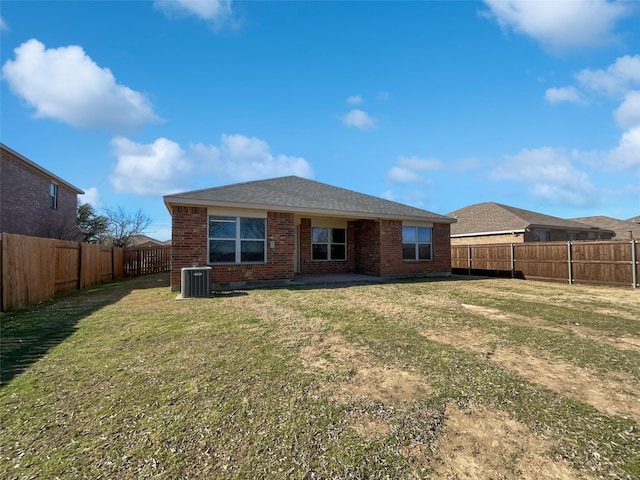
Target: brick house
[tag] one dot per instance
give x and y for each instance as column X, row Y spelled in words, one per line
column 34, row 201
column 490, row 222
column 625, row 229
column 274, row 229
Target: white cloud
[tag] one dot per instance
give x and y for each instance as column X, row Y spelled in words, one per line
column 561, row 25
column 66, row 85
column 404, row 175
column 359, row 119
column 620, row 81
column 416, row 198
column 216, row 11
column 152, row 169
column 627, row 115
column 564, row 94
column 388, row 195
column 409, row 169
column 243, row 158
column 92, row 197
column 616, row 80
column 627, row 153
column 4, row 27
column 163, row 167
column 420, row 164
column 551, row 174
column 355, row 100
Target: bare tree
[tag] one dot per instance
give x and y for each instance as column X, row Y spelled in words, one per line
column 122, row 225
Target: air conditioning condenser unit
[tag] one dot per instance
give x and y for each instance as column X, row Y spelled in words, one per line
column 195, row 282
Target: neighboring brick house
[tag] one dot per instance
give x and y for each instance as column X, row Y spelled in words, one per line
column 487, row 223
column 34, row 201
column 625, row 229
column 273, row 229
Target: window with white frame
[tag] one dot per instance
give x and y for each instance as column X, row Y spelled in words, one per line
column 328, row 243
column 53, row 193
column 416, row 243
column 237, row 240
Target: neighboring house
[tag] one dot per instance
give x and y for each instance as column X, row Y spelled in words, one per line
column 34, row 201
column 495, row 223
column 273, row 229
column 625, row 229
column 141, row 240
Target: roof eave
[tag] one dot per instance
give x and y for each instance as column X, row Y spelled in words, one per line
column 40, row 169
column 170, row 200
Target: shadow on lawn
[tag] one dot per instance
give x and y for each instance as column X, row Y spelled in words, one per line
column 27, row 335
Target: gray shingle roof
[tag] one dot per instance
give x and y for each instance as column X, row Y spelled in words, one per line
column 297, row 194
column 494, row 217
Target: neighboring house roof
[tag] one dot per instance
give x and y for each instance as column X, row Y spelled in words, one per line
column 141, row 239
column 34, row 166
column 295, row 194
column 621, row 227
column 494, row 218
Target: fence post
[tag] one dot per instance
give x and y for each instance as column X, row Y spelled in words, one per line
column 513, row 261
column 80, row 265
column 469, row 259
column 570, row 262
column 634, row 264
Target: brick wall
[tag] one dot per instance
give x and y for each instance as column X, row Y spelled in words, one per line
column 391, row 253
column 189, row 246
column 188, row 240
column 373, row 248
column 488, row 239
column 379, row 250
column 318, row 267
column 26, row 203
column 367, row 255
column 556, row 236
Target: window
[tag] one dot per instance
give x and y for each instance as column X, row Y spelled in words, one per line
column 237, row 240
column 416, row 243
column 53, row 192
column 328, row 243
column 541, row 235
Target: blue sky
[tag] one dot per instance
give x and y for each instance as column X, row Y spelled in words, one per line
column 439, row 105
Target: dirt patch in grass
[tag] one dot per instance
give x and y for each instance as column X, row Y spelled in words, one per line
column 625, row 342
column 354, row 374
column 606, row 393
column 479, row 443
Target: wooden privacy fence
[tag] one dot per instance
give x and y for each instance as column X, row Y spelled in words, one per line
column 600, row 262
column 34, row 269
column 145, row 260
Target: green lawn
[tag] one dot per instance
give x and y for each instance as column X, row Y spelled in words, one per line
column 441, row 378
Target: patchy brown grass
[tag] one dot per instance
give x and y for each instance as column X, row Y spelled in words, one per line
column 446, row 379
column 479, row 443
